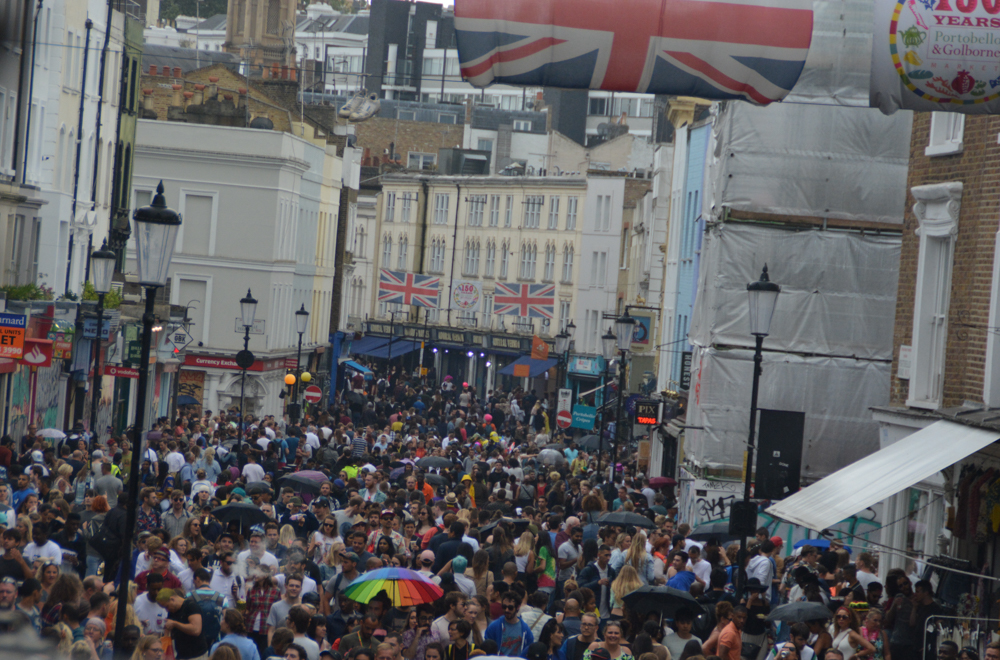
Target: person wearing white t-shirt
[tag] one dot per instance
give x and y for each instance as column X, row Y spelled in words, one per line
column 174, row 459
column 702, row 569
column 252, row 472
column 41, row 547
column 258, row 550
column 308, row 584
column 312, row 440
column 150, row 614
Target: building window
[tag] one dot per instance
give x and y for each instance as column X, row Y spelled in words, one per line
column 437, row 255
column 937, row 211
column 386, row 251
column 564, row 318
column 447, row 118
column 533, row 211
column 529, row 255
column 946, row 135
column 509, row 213
column 602, row 217
column 487, row 310
column 420, row 161
column 404, row 244
column 404, row 212
column 359, row 243
column 571, row 205
column 441, row 209
column 523, row 125
column 390, row 206
column 550, row 263
column 407, row 115
column 491, row 256
column 484, row 144
column 504, row 255
column 598, row 107
column 471, row 258
column 477, row 204
column 567, row 274
column 494, row 210
column 553, row 212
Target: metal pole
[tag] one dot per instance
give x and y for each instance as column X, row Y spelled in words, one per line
column 295, row 386
column 243, row 381
column 619, row 418
column 132, row 495
column 757, row 359
column 392, row 333
column 600, row 425
column 95, row 398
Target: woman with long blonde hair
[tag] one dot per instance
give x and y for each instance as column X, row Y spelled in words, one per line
column 626, row 582
column 639, row 559
column 148, row 649
column 620, row 548
column 524, row 554
column 331, row 565
column 286, row 535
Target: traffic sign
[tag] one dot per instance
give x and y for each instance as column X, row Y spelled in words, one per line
column 564, row 418
column 244, row 359
column 313, row 394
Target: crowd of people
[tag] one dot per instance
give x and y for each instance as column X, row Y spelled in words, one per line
column 477, row 495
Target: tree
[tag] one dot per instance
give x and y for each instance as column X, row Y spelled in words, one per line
column 171, row 9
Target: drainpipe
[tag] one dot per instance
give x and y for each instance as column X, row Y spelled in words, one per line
column 100, row 95
column 79, row 145
column 454, row 247
column 31, row 93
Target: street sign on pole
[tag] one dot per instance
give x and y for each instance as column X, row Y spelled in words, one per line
column 584, row 417
column 313, row 394
column 180, row 338
column 563, row 419
column 256, row 329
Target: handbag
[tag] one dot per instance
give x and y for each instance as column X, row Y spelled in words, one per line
column 106, row 542
column 749, row 650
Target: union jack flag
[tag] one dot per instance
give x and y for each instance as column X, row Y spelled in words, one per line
column 713, row 49
column 396, row 286
column 531, row 300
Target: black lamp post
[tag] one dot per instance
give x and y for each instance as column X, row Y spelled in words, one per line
column 102, row 268
column 301, row 323
column 763, row 296
column 624, row 330
column 244, row 359
column 156, row 229
column 608, row 345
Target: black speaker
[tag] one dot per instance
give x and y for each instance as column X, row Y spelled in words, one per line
column 742, row 519
column 779, row 454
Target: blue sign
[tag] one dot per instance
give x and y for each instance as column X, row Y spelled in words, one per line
column 584, row 417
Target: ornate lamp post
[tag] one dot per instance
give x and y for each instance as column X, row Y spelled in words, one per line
column 244, row 359
column 608, row 345
column 102, row 268
column 301, row 323
column 624, row 329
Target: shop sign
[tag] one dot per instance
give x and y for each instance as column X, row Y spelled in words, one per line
column 505, row 343
column 451, row 337
column 377, row 328
column 584, row 417
column 584, row 365
column 12, row 329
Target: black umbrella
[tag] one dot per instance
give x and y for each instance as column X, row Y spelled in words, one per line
column 434, row 462
column 800, row 611
column 558, row 446
column 590, row 443
column 519, row 525
column 625, row 519
column 301, row 484
column 247, row 515
column 258, row 487
column 719, row 530
column 662, row 600
column 435, row 479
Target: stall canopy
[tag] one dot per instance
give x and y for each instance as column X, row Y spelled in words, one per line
column 366, row 345
column 399, row 347
column 536, row 367
column 358, row 367
column 882, row 474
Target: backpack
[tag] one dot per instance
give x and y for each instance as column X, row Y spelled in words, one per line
column 211, row 615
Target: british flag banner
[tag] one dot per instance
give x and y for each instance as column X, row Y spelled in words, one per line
column 396, row 286
column 531, row 300
column 733, row 49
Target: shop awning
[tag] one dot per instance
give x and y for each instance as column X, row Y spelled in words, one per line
column 399, row 347
column 536, row 367
column 886, row 472
column 358, row 367
column 366, row 345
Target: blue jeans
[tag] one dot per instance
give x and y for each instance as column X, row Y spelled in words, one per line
column 93, row 563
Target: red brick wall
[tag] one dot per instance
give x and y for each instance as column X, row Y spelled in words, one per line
column 978, row 168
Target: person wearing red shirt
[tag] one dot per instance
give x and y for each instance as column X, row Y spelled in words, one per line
column 160, row 565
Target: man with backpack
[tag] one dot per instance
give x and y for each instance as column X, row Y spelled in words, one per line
column 211, row 604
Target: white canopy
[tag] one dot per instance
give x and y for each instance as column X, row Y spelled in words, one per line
column 882, row 474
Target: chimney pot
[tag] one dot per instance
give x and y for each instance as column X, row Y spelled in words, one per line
column 213, row 79
column 177, row 72
column 152, row 69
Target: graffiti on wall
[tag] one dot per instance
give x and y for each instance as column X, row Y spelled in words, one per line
column 48, row 385
column 708, row 501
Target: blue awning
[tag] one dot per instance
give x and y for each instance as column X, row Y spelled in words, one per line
column 538, row 367
column 366, row 345
column 399, row 347
column 358, row 367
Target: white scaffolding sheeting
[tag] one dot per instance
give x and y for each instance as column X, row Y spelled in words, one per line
column 838, row 290
column 817, row 161
column 834, row 393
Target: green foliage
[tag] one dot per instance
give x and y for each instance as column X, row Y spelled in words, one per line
column 112, row 299
column 27, row 292
column 171, row 9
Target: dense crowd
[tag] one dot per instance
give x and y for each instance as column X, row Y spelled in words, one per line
column 475, row 494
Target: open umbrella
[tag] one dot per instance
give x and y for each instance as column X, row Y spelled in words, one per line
column 404, row 587
column 519, row 525
column 662, row 600
column 712, row 530
column 247, row 515
column 800, row 611
column 258, row 487
column 301, row 482
column 435, row 479
column 660, row 482
column 434, row 462
column 590, row 443
column 551, row 457
column 626, row 519
column 53, row 434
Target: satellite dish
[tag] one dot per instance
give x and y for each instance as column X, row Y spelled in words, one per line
column 603, row 129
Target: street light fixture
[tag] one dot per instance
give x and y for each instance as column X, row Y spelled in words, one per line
column 609, row 343
column 301, row 323
column 102, row 268
column 570, row 330
column 245, row 359
column 763, row 298
column 156, row 229
column 624, row 330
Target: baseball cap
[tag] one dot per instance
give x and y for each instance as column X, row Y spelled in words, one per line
column 427, row 557
column 295, row 500
column 162, row 554
column 321, row 501
column 777, row 541
column 37, row 456
column 388, row 512
column 353, row 556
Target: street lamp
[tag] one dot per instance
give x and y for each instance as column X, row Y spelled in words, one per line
column 102, row 268
column 624, row 329
column 608, row 345
column 156, row 229
column 763, row 297
column 301, row 322
column 244, row 359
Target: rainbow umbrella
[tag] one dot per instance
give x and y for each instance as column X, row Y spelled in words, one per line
column 404, row 587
